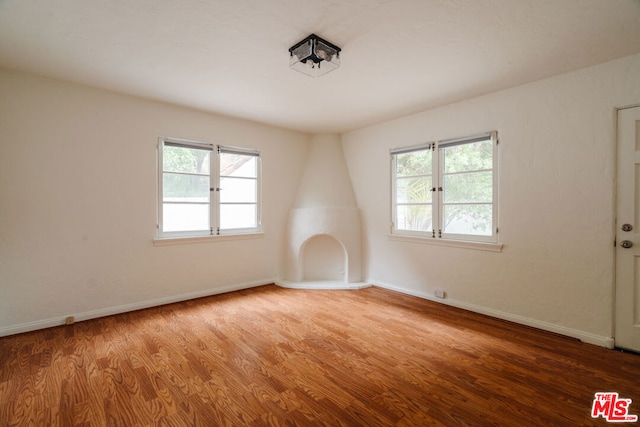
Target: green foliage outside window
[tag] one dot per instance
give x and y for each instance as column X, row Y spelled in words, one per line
column 413, row 190
column 186, row 174
column 465, row 178
column 468, row 188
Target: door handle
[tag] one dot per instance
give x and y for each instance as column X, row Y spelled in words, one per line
column 626, row 244
column 627, row 227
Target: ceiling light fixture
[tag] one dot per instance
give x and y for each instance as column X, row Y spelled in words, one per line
column 314, row 56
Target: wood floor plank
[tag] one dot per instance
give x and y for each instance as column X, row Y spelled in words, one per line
column 283, row 357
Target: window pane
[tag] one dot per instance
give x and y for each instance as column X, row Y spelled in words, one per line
column 183, row 159
column 414, row 217
column 238, row 165
column 468, row 157
column 238, row 216
column 413, row 190
column 185, row 217
column 415, row 163
column 185, row 188
column 238, row 190
column 468, row 219
column 468, row 187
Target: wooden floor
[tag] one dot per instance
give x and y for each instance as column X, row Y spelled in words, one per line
column 273, row 356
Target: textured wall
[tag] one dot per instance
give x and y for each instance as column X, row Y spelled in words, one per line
column 78, row 201
column 556, row 195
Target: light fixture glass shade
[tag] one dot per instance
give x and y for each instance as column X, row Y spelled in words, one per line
column 314, row 56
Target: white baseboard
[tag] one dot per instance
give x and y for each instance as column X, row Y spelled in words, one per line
column 322, row 284
column 586, row 337
column 109, row 311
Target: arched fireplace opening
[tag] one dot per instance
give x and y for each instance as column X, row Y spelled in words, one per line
column 323, row 258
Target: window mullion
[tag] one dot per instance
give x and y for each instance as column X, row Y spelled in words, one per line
column 394, row 197
column 438, row 193
column 160, row 204
column 214, row 200
column 259, row 193
column 494, row 177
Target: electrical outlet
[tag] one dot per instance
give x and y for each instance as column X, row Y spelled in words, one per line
column 439, row 293
column 69, row 320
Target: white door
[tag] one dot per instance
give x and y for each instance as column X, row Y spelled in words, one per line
column 627, row 317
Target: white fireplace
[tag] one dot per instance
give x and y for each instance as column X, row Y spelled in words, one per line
column 324, row 245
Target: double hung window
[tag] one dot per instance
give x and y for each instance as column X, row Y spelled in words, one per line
column 447, row 189
column 207, row 189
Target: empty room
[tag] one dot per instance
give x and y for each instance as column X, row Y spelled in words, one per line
column 358, row 213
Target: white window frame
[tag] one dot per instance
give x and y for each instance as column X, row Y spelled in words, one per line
column 214, row 189
column 437, row 200
column 245, row 152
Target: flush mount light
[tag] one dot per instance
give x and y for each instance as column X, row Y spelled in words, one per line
column 314, row 56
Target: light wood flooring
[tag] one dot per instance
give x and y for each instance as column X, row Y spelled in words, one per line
column 283, row 357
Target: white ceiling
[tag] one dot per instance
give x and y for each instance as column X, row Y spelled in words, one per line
column 231, row 56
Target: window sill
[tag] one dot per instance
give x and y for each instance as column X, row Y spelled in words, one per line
column 491, row 247
column 169, row 241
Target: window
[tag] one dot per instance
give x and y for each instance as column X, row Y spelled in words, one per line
column 207, row 190
column 446, row 189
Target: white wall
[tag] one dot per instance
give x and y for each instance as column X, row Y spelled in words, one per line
column 556, row 192
column 78, row 203
column 325, row 182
